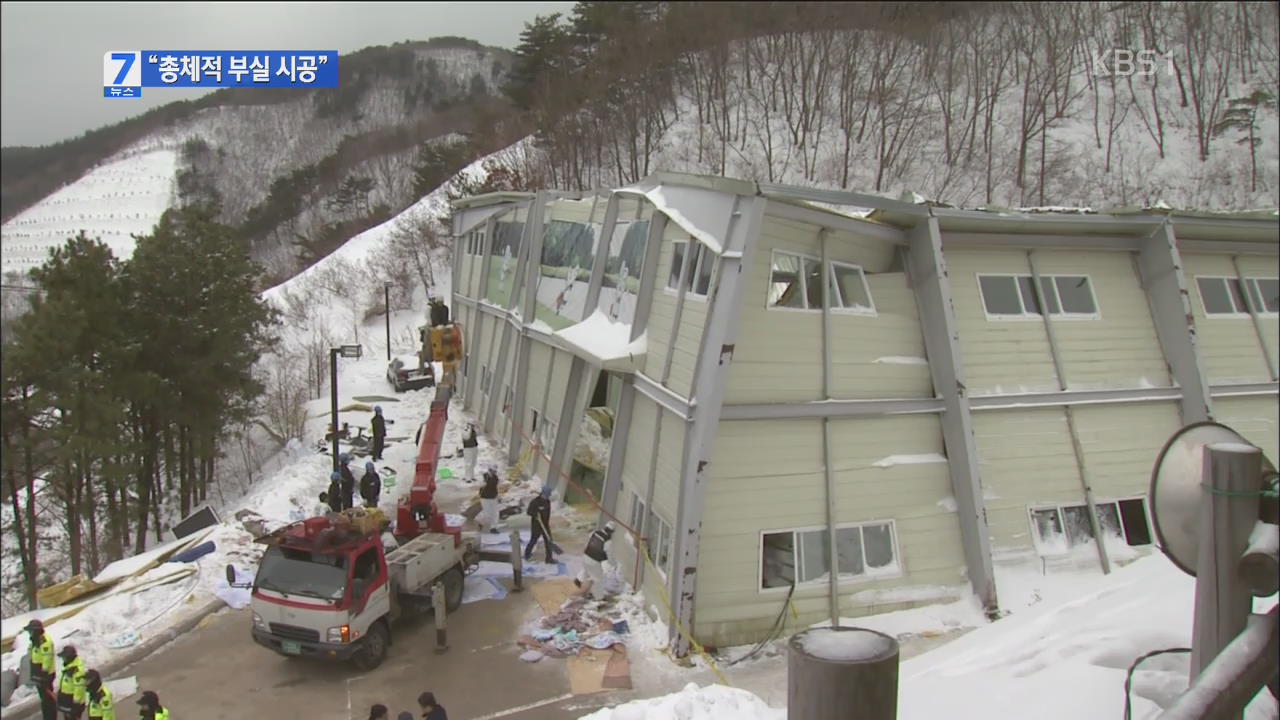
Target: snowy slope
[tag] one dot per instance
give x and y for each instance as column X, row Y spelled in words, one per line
column 122, row 197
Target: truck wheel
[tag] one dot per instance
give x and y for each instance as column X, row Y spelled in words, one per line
column 375, row 647
column 453, row 586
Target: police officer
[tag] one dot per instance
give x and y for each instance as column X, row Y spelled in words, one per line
column 42, row 669
column 348, row 482
column 379, row 431
column 370, row 486
column 101, row 705
column 151, row 709
column 71, row 692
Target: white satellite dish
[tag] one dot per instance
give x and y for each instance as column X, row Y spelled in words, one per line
column 1176, row 494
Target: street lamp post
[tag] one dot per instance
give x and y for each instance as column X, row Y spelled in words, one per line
column 344, row 351
column 386, row 296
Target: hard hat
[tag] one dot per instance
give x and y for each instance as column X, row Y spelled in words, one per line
column 608, row 527
column 335, row 475
column 377, row 409
column 368, row 466
column 344, row 458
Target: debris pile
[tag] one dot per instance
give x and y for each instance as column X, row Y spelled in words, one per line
column 579, row 623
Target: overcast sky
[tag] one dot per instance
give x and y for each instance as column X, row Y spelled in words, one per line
column 51, row 53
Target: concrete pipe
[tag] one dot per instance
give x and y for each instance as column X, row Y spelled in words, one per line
column 840, row 673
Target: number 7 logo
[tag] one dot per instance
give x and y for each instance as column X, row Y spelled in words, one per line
column 121, row 68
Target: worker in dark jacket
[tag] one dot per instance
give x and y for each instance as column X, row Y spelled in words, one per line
column 470, row 451
column 489, row 501
column 348, row 482
column 431, row 710
column 370, row 486
column 540, row 524
column 334, row 495
column 43, row 667
column 379, row 432
column 599, row 545
column 150, row 707
column 71, row 693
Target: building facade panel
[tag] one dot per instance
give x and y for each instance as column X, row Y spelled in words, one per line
column 1228, row 339
column 1255, row 418
column 1006, row 351
column 1026, row 460
column 1114, row 347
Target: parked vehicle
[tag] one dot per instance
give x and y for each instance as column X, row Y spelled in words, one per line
column 406, row 372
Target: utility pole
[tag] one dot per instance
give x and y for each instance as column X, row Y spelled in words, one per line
column 386, row 296
column 351, row 351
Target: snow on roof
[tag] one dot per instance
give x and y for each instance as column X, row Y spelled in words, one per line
column 844, row 644
column 605, row 342
column 665, row 205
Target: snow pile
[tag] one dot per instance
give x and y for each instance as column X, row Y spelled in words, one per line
column 844, row 644
column 1074, row 652
column 893, row 460
column 714, row 702
column 900, row 360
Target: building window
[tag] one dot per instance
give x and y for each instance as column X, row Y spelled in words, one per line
column 484, row 379
column 850, row 291
column 1059, row 529
column 507, row 397
column 533, row 424
column 701, row 262
column 1225, row 297
column 802, row 556
column 637, row 514
column 1014, row 296
column 1264, row 293
column 548, row 435
column 795, row 282
column 658, row 543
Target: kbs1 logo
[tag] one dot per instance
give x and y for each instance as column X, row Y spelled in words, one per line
column 126, row 72
column 1119, row 62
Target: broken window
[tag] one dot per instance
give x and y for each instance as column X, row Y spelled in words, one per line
column 850, row 291
column 803, row 556
column 786, row 289
column 1058, row 529
column 658, row 542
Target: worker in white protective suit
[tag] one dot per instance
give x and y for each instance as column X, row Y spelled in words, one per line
column 470, row 451
column 488, row 519
column 599, row 547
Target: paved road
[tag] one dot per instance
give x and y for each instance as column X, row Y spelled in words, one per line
column 217, row 672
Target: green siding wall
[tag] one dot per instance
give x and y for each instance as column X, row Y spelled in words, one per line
column 1229, row 346
column 1253, row 417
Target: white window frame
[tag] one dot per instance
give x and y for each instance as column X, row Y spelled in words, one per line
column 548, row 428
column 484, row 380
column 837, row 301
column 691, row 280
column 658, row 536
column 1253, row 294
column 836, row 294
column 1026, row 315
column 508, row 397
column 1038, row 542
column 1244, row 293
column 863, row 578
column 534, row 426
column 637, row 508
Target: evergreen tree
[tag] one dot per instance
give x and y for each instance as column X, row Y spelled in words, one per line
column 1242, row 116
column 543, row 51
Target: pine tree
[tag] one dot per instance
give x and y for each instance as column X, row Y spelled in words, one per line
column 543, row 51
column 1242, row 116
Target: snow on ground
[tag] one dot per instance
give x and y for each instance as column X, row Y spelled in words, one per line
column 125, row 195
column 1062, row 651
column 714, row 702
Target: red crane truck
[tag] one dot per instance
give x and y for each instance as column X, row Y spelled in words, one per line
column 332, row 587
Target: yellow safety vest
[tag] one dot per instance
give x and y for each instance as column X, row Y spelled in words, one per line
column 72, row 682
column 42, row 657
column 103, row 707
column 162, row 714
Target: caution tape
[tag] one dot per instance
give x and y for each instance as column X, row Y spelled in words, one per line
column 671, row 613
